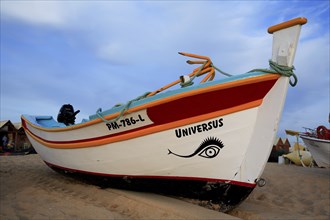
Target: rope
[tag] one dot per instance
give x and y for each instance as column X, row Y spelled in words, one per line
column 275, row 69
column 279, row 69
column 300, row 156
column 220, row 71
column 122, row 112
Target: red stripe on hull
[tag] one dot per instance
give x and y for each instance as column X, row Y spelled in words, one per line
column 209, row 102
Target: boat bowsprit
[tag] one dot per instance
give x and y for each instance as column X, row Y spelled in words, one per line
column 210, row 139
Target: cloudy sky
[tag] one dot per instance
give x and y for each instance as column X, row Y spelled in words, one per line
column 99, row 53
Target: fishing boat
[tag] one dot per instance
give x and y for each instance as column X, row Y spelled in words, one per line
column 212, row 138
column 318, row 143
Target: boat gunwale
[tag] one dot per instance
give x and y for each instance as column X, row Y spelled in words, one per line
column 306, row 137
column 220, row 86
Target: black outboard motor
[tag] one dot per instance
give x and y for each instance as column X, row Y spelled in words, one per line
column 67, row 115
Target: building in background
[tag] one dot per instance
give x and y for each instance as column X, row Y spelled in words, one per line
column 13, row 138
column 281, row 146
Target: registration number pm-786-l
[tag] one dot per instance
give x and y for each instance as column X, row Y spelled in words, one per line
column 125, row 122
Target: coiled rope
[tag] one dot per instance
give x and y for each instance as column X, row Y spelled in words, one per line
column 279, row 69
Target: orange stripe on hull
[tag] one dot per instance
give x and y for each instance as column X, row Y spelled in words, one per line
column 145, row 131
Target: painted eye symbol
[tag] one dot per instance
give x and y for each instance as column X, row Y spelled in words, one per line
column 210, row 151
column 209, row 148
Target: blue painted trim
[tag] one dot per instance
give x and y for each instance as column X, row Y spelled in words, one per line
column 49, row 122
column 44, row 121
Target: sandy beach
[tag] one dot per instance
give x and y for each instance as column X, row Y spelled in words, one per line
column 291, row 192
column 30, row 190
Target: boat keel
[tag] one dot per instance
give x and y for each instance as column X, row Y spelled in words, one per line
column 221, row 196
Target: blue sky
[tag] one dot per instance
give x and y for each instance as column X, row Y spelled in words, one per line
column 99, row 53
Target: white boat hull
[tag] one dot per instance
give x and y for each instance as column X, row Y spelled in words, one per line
column 320, row 150
column 148, row 155
column 241, row 160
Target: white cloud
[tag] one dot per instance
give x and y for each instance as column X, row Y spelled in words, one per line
column 118, row 31
column 132, row 47
column 35, row 12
